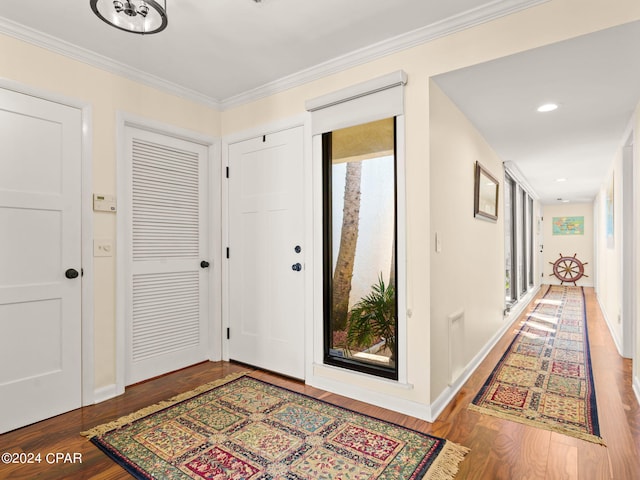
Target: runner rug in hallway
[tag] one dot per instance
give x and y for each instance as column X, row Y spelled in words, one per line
column 544, row 379
column 245, row 429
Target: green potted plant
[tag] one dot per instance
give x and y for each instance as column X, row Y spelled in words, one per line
column 373, row 318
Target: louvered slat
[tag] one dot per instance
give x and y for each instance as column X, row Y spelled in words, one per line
column 165, row 202
column 166, row 312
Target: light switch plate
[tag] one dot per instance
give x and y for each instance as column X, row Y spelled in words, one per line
column 102, row 247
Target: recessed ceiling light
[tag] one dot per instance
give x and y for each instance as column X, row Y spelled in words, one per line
column 547, row 107
column 561, row 180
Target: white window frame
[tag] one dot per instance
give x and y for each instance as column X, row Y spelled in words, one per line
column 379, row 98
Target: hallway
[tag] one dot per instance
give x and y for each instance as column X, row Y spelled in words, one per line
column 505, row 450
column 499, row 449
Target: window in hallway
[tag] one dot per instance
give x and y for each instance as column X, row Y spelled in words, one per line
column 519, row 241
column 509, row 242
column 360, row 305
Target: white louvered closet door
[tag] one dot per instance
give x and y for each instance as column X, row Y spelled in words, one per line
column 167, row 314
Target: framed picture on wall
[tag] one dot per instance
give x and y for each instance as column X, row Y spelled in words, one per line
column 609, row 213
column 485, row 203
column 568, row 226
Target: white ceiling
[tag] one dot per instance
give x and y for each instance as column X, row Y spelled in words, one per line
column 225, row 52
column 222, row 48
column 595, row 79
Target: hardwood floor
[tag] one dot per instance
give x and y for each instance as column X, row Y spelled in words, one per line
column 499, row 449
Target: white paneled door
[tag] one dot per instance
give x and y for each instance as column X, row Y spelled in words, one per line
column 266, row 253
column 168, row 258
column 40, row 247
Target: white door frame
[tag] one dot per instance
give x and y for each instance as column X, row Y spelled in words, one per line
column 87, row 342
column 124, row 120
column 302, row 120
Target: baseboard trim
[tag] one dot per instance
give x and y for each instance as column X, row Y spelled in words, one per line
column 448, row 394
column 612, row 331
column 387, row 400
column 106, row 393
column 636, row 388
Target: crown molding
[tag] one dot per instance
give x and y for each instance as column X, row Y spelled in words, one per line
column 89, row 57
column 456, row 23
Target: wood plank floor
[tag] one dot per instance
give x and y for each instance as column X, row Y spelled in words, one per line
column 500, row 449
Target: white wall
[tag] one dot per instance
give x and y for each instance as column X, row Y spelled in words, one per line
column 568, row 245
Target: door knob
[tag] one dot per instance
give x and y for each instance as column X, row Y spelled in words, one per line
column 204, row 264
column 296, row 267
column 71, row 273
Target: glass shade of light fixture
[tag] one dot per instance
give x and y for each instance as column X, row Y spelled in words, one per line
column 136, row 16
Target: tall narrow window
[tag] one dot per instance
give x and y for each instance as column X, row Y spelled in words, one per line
column 524, row 258
column 358, row 136
column 510, row 237
column 531, row 241
column 519, row 240
column 360, row 303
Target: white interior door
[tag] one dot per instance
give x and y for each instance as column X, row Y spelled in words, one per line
column 40, row 240
column 266, row 256
column 167, row 283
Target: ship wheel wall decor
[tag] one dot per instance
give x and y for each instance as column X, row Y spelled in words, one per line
column 568, row 269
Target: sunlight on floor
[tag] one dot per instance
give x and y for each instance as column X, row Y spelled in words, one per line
column 548, row 302
column 544, row 318
column 539, row 326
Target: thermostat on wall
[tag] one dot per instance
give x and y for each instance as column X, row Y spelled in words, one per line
column 104, row 203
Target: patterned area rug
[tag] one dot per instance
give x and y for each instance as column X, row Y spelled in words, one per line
column 544, row 379
column 246, row 429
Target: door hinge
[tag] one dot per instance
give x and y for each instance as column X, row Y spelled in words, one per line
column 264, row 138
column 228, row 333
column 227, row 252
column 227, row 173
column 82, row 272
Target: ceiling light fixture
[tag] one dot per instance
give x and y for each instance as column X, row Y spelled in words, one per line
column 135, row 16
column 547, row 107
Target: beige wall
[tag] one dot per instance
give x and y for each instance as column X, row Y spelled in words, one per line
column 562, row 19
column 107, row 94
column 609, row 254
column 568, row 245
column 610, row 264
column 467, row 274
